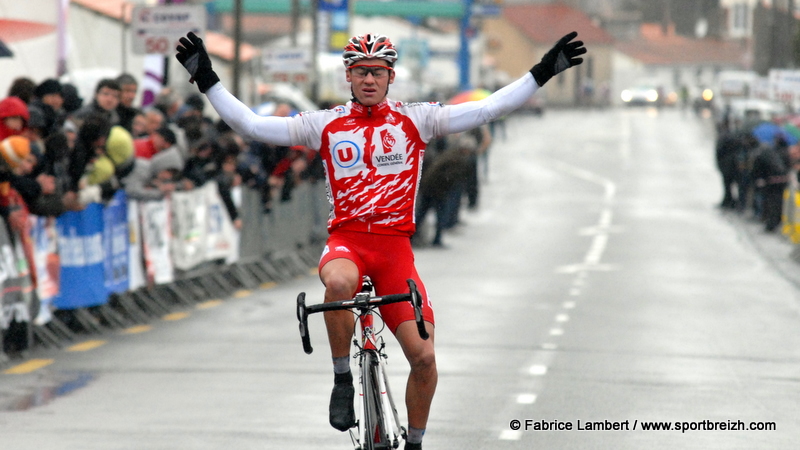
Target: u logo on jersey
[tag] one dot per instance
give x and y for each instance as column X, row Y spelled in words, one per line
column 346, row 154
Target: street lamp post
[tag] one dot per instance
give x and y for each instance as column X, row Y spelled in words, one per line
column 463, row 52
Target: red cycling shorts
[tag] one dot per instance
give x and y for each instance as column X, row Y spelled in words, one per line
column 388, row 261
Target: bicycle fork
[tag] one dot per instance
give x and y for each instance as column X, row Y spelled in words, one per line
column 379, row 422
column 377, row 429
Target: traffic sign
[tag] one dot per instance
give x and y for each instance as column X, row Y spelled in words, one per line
column 482, row 9
column 156, row 29
column 287, row 65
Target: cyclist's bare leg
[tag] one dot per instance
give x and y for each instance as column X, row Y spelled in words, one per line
column 423, row 377
column 341, row 280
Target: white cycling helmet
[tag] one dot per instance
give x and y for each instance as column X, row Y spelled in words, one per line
column 369, row 46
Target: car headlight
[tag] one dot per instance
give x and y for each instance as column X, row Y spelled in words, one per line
column 651, row 95
column 626, row 96
column 708, row 94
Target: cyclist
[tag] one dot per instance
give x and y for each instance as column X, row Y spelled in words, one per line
column 372, row 148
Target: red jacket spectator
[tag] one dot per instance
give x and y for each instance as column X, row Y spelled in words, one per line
column 158, row 141
column 14, row 117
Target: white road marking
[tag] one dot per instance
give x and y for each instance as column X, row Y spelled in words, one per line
column 511, row 435
column 537, row 369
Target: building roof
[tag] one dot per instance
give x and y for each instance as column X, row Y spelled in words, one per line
column 217, row 44
column 547, row 23
column 658, row 48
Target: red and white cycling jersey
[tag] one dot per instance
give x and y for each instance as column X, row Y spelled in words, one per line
column 373, row 160
column 373, row 155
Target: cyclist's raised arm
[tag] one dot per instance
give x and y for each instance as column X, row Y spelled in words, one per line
column 271, row 129
column 191, row 53
column 468, row 115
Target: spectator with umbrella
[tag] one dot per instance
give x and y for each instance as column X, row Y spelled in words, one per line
column 771, row 171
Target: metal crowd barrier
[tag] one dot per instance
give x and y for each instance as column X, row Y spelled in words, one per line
column 272, row 247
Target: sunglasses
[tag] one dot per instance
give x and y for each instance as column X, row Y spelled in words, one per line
column 375, row 71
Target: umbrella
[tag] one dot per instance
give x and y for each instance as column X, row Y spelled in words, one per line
column 469, row 96
column 767, row 132
column 793, row 133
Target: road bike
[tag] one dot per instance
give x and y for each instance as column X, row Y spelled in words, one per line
column 378, row 424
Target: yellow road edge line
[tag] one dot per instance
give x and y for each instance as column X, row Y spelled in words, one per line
column 137, row 329
column 242, row 293
column 86, row 346
column 209, row 304
column 268, row 285
column 28, row 366
column 176, row 316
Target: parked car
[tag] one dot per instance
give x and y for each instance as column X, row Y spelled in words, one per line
column 704, row 101
column 640, row 95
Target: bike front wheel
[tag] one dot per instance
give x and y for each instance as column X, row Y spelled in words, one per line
column 375, row 437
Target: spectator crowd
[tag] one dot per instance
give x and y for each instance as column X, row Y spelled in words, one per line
column 758, row 160
column 61, row 152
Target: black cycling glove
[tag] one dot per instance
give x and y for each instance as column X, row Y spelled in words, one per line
column 561, row 57
column 193, row 56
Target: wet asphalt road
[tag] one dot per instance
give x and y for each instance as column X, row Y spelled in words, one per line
column 597, row 286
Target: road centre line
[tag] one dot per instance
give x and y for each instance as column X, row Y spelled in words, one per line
column 592, row 261
column 510, row 435
column 537, row 369
column 609, row 187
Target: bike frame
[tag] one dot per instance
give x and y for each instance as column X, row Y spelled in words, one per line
column 371, row 360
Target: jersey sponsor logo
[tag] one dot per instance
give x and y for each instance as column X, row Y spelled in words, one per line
column 394, row 142
column 399, row 104
column 346, row 154
column 342, row 248
column 388, row 141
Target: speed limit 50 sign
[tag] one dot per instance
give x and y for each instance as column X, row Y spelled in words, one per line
column 156, row 29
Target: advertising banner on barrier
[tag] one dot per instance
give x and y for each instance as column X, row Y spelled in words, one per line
column 220, row 235
column 115, row 243
column 202, row 228
column 189, row 228
column 136, row 277
column 46, row 263
column 156, row 237
column 80, row 247
column 15, row 282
